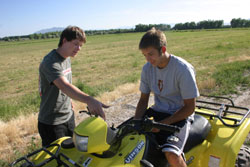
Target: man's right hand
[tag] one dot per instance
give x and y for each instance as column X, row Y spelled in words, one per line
column 96, row 108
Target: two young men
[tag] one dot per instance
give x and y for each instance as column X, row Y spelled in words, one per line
column 56, row 116
column 172, row 80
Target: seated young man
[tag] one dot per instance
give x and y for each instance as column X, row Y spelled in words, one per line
column 172, row 81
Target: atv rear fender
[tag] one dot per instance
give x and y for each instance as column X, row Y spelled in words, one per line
column 228, row 133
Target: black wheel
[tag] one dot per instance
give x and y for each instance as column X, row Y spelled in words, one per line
column 243, row 158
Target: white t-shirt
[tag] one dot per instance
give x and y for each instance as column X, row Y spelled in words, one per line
column 170, row 85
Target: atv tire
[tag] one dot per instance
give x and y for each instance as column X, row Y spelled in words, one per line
column 243, row 158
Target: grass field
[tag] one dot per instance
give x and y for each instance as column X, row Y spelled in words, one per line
column 221, row 59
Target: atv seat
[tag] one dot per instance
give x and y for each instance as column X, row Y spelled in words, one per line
column 198, row 132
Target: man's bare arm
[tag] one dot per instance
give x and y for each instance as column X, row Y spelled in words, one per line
column 183, row 113
column 95, row 107
column 141, row 106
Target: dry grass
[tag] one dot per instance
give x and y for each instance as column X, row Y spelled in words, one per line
column 206, row 84
column 122, row 90
column 243, row 57
column 16, row 134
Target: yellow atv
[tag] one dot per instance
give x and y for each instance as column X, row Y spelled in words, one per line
column 216, row 139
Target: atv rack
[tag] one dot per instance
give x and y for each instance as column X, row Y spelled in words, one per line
column 54, row 156
column 223, row 111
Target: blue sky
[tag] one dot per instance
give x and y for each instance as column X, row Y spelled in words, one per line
column 23, row 17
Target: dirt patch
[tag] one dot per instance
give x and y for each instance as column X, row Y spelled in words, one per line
column 243, row 99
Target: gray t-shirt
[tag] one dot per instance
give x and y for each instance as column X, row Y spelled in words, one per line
column 170, row 85
column 55, row 106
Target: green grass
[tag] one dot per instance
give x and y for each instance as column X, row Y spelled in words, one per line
column 232, row 75
column 87, row 89
column 13, row 107
column 107, row 61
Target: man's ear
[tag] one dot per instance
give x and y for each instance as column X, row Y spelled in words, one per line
column 163, row 49
column 64, row 40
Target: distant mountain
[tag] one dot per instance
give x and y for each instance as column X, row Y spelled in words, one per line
column 54, row 29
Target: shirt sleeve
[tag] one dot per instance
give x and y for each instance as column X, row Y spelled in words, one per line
column 144, row 84
column 187, row 84
column 51, row 71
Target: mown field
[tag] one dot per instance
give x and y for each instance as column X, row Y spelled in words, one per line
column 221, row 59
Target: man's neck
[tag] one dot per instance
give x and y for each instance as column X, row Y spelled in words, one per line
column 165, row 60
column 61, row 52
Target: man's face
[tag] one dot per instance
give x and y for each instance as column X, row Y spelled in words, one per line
column 72, row 47
column 152, row 55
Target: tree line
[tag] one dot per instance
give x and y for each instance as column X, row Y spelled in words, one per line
column 238, row 23
column 209, row 24
column 212, row 24
column 206, row 24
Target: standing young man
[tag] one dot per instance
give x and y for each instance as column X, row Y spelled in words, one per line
column 172, row 80
column 56, row 117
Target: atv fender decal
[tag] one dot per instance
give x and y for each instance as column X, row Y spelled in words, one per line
column 134, row 152
column 87, row 162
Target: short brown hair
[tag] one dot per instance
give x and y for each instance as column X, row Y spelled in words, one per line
column 153, row 38
column 72, row 33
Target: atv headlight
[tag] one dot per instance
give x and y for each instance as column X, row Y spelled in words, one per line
column 81, row 142
column 93, row 132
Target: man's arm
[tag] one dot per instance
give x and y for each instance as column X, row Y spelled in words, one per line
column 95, row 107
column 183, row 113
column 141, row 106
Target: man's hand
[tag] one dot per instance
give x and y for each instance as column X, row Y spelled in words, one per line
column 155, row 130
column 95, row 107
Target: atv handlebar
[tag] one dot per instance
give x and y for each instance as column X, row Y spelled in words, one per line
column 169, row 128
column 84, row 111
column 87, row 112
column 143, row 126
column 147, row 125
